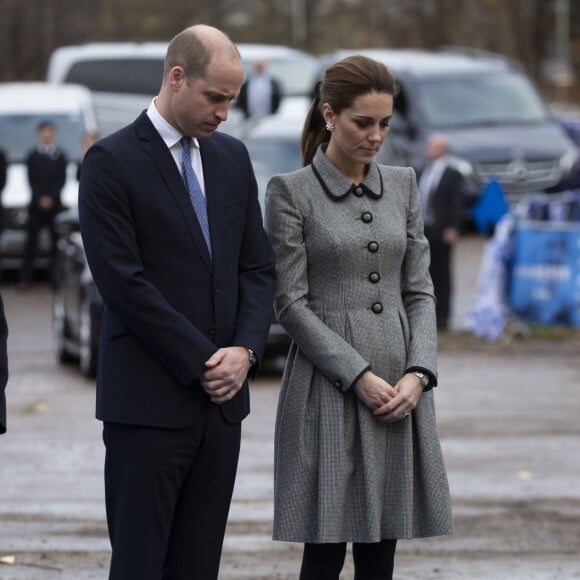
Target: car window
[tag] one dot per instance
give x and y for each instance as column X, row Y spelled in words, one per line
column 278, row 155
column 18, row 134
column 139, row 76
column 296, row 75
column 483, row 99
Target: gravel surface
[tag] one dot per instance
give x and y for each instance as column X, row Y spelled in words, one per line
column 508, row 420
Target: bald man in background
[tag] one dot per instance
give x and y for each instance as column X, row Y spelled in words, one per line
column 441, row 189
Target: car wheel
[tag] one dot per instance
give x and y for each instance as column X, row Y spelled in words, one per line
column 88, row 347
column 59, row 327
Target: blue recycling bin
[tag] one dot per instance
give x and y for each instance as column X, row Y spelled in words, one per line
column 544, row 280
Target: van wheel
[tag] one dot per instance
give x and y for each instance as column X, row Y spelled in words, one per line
column 88, row 347
column 59, row 327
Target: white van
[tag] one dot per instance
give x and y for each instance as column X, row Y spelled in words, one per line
column 22, row 107
column 125, row 76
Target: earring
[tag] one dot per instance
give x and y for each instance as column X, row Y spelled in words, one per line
column 329, row 126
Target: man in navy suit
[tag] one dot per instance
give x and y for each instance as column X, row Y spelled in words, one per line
column 186, row 316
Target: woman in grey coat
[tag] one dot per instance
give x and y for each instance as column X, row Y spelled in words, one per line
column 357, row 455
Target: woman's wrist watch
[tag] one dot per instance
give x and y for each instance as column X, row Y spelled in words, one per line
column 423, row 378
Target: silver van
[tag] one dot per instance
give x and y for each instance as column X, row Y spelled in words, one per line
column 125, row 76
column 496, row 121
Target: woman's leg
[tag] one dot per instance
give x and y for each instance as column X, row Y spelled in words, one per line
column 322, row 561
column 374, row 561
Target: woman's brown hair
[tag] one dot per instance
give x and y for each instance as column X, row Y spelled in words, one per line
column 341, row 84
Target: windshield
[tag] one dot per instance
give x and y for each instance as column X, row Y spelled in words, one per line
column 488, row 99
column 278, row 155
column 137, row 76
column 18, row 134
column 296, row 75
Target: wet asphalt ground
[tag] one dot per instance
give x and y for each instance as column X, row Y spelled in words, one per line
column 509, row 425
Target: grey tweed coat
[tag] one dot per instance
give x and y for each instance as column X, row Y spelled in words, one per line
column 353, row 293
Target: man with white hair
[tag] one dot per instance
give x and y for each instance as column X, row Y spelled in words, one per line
column 440, row 185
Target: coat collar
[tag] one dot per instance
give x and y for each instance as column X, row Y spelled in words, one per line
column 337, row 186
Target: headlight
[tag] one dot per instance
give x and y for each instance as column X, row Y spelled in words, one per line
column 568, row 161
column 462, row 165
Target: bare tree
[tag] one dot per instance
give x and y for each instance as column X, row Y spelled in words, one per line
column 522, row 29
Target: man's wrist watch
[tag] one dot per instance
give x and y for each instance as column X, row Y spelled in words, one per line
column 252, row 357
column 423, row 378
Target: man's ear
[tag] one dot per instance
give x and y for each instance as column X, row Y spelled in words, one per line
column 176, row 77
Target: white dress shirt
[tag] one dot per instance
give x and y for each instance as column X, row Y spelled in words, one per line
column 172, row 138
column 428, row 183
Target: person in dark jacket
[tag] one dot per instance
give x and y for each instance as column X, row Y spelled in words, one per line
column 441, row 186
column 46, row 165
column 260, row 95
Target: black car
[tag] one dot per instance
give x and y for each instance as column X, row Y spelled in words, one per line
column 78, row 307
column 77, row 304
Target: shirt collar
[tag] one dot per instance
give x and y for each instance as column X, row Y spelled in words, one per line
column 337, row 186
column 170, row 135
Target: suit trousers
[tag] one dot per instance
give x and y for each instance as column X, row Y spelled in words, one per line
column 167, row 494
column 440, row 270
column 37, row 220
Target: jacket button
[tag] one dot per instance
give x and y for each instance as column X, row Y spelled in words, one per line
column 374, row 277
column 377, row 308
column 367, row 217
column 373, row 247
column 211, row 331
column 358, row 191
column 338, row 384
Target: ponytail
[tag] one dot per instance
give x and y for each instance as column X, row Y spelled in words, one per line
column 314, row 132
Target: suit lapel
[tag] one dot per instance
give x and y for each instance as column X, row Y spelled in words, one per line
column 157, row 150
column 214, row 190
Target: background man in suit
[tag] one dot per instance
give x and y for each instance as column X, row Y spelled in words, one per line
column 188, row 291
column 3, row 366
column 441, row 185
column 46, row 165
column 260, row 95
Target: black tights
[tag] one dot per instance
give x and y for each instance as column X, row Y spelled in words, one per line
column 371, row 561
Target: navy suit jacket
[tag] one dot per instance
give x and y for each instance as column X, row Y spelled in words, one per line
column 47, row 177
column 168, row 305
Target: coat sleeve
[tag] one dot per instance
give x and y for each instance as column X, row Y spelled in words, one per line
column 329, row 353
column 417, row 288
column 256, row 278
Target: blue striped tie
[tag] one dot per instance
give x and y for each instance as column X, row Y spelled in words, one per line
column 195, row 193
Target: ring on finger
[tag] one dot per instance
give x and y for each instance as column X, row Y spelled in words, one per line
column 406, row 414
